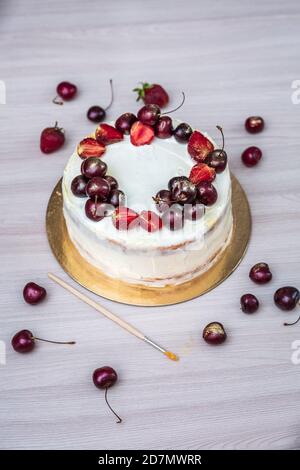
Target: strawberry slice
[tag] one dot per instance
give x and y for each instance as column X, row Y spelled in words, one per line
column 202, row 172
column 141, row 134
column 106, row 134
column 89, row 147
column 124, row 218
column 150, row 221
column 199, row 146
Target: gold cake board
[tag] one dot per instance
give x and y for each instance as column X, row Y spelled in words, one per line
column 96, row 281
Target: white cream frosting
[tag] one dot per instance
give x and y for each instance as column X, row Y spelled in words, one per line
column 136, row 255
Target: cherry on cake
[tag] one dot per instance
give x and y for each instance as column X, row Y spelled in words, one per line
column 148, row 202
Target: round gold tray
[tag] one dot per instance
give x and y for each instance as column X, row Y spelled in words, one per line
column 96, row 281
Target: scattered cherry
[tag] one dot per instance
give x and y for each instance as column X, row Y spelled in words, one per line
column 113, row 183
column 116, row 198
column 124, row 122
column 163, row 200
column 95, row 210
column 164, row 127
column 173, row 218
column 66, row 91
column 98, row 187
column 78, row 186
column 194, row 211
column 97, row 113
column 249, row 303
column 52, row 138
column 33, row 293
column 104, row 378
column 183, row 191
column 92, row 167
column 251, row 156
column 217, row 159
column 183, row 132
column 24, row 341
column 254, row 124
column 286, row 298
column 214, row 333
column 207, row 193
column 260, row 273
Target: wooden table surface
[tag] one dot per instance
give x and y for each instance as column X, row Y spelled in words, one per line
column 233, row 59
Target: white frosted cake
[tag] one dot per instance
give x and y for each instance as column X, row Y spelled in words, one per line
column 143, row 164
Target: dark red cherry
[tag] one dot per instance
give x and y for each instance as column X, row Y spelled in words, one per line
column 116, row 198
column 113, row 183
column 78, row 186
column 249, row 303
column 163, row 200
column 207, row 193
column 95, row 210
column 104, row 378
column 24, row 341
column 66, row 90
column 251, row 156
column 182, row 190
column 254, row 124
column 92, row 167
column 149, row 114
column 194, row 211
column 96, row 114
column 217, row 159
column 33, row 293
column 164, row 127
column 286, row 298
column 124, row 122
column 214, row 333
column 172, row 218
column 98, row 187
column 260, row 273
column 183, row 132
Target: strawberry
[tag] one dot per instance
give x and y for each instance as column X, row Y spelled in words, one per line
column 106, row 134
column 150, row 221
column 52, row 138
column 89, row 147
column 152, row 94
column 141, row 134
column 202, row 172
column 199, row 146
column 124, row 218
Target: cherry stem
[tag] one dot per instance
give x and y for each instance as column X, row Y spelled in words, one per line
column 223, row 139
column 55, row 342
column 294, row 323
column 111, row 94
column 116, row 415
column 57, row 100
column 173, row 110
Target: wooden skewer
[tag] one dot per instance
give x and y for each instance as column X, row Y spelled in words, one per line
column 126, row 326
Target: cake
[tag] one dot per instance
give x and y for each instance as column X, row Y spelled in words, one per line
column 132, row 239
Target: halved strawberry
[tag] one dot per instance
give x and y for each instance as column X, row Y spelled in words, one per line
column 124, row 218
column 106, row 134
column 89, row 147
column 150, row 221
column 199, row 146
column 141, row 134
column 202, row 172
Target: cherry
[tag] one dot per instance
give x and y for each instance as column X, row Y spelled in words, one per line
column 207, row 193
column 194, row 211
column 173, row 218
column 98, row 187
column 164, row 127
column 150, row 113
column 78, row 186
column 217, row 159
column 24, row 341
column 124, row 122
column 116, row 198
column 97, row 113
column 163, row 200
column 251, row 156
column 183, row 132
column 260, row 273
column 254, row 124
column 214, row 333
column 286, row 298
column 113, row 183
column 104, row 378
column 249, row 303
column 52, row 138
column 95, row 210
column 66, row 91
column 92, row 167
column 33, row 293
column 182, row 190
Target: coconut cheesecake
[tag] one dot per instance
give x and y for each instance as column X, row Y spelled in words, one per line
column 142, row 165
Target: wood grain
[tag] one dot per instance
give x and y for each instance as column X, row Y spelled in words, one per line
column 232, row 59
